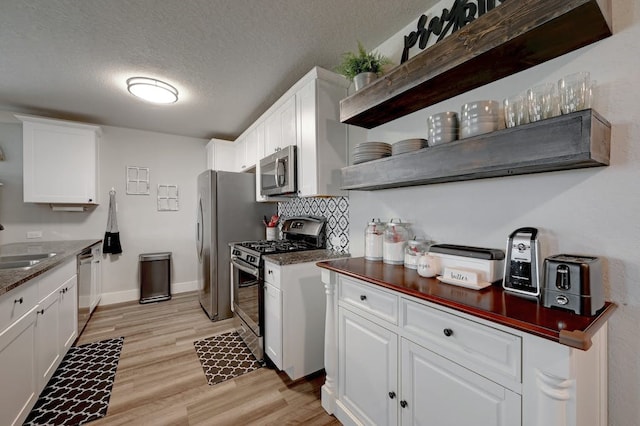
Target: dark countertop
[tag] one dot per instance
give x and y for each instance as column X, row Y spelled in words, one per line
column 492, row 303
column 304, row 256
column 12, row 278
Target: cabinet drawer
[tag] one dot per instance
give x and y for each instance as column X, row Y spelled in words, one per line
column 51, row 280
column 16, row 303
column 272, row 274
column 369, row 298
column 488, row 351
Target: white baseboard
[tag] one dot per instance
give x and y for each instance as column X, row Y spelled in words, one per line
column 132, row 295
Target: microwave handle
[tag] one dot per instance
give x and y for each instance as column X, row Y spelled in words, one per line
column 277, row 173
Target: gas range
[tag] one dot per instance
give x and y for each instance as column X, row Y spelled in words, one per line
column 300, row 233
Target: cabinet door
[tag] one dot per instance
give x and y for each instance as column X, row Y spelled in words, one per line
column 68, row 296
column 281, row 127
column 19, row 389
column 251, row 149
column 368, row 369
column 241, row 154
column 273, row 324
column 439, row 392
column 287, row 114
column 47, row 337
column 60, row 164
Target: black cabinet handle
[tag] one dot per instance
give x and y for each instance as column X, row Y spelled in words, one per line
column 392, row 394
column 41, row 312
column 18, row 301
column 403, row 404
column 363, row 297
column 448, row 332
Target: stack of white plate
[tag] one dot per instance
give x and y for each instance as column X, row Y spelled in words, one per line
column 443, row 127
column 368, row 151
column 479, row 117
column 408, row 145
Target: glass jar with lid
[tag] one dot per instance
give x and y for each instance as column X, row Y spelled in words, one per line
column 373, row 236
column 396, row 236
column 412, row 252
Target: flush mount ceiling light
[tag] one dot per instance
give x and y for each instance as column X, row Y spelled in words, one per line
column 152, row 90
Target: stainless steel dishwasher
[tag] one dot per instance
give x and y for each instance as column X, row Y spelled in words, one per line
column 85, row 260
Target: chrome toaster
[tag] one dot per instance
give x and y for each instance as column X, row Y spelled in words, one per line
column 573, row 282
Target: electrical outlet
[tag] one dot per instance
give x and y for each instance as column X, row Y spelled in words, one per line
column 34, row 234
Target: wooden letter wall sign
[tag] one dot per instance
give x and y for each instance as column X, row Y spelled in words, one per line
column 462, row 12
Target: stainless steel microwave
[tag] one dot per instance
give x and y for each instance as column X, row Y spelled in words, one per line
column 278, row 172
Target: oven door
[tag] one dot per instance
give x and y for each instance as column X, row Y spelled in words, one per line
column 248, row 294
column 278, row 172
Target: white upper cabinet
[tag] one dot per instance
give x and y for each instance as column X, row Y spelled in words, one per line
column 322, row 141
column 60, row 161
column 221, row 155
column 247, row 150
column 280, row 127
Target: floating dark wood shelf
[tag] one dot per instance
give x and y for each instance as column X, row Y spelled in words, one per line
column 572, row 141
column 512, row 37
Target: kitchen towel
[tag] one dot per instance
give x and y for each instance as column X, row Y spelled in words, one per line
column 112, row 236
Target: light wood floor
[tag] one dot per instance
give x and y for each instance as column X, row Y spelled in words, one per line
column 159, row 380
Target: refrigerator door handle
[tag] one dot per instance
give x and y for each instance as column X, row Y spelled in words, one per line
column 200, row 231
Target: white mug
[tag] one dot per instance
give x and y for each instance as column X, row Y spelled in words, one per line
column 428, row 266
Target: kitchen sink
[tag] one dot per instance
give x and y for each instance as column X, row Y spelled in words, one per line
column 23, row 261
column 21, row 257
column 19, row 264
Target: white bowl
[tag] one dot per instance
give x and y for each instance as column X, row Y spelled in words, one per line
column 433, row 131
column 481, row 107
column 440, row 139
column 477, row 129
column 443, row 118
column 479, row 120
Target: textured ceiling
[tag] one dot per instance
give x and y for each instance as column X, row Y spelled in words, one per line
column 229, row 59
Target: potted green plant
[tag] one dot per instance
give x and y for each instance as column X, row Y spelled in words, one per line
column 362, row 67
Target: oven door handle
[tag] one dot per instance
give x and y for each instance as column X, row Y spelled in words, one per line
column 249, row 270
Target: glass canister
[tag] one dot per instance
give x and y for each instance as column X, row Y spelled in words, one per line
column 396, row 236
column 373, row 237
column 412, row 252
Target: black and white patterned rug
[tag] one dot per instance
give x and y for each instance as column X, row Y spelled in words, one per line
column 224, row 357
column 80, row 389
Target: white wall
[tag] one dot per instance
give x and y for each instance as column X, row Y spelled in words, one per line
column 589, row 211
column 171, row 160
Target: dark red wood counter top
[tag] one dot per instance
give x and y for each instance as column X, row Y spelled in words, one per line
column 491, row 303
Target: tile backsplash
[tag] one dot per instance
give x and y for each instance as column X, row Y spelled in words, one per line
column 335, row 209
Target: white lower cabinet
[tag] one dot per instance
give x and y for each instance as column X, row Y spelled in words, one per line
column 273, row 324
column 368, row 369
column 34, row 343
column 393, row 359
column 429, row 381
column 294, row 318
column 382, row 382
column 19, row 385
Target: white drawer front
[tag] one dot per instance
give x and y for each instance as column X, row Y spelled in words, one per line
column 52, row 279
column 492, row 353
column 272, row 274
column 369, row 298
column 17, row 302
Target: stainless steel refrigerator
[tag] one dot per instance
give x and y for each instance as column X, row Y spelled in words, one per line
column 227, row 212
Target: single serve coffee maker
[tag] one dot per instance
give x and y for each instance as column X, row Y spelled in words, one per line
column 523, row 262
